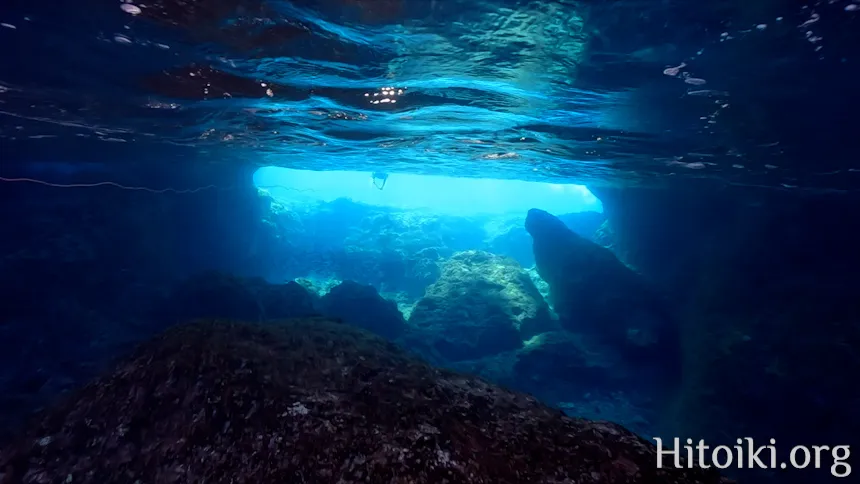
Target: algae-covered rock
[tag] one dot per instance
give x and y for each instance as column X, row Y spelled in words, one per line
column 594, row 293
column 313, row 401
column 361, row 306
column 482, row 304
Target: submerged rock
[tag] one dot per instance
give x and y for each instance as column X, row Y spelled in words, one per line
column 361, row 306
column 219, row 295
column 483, row 304
column 566, row 370
column 512, row 239
column 555, row 361
column 561, row 356
column 594, row 293
column 313, row 401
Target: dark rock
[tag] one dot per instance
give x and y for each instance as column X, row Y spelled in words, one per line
column 363, row 307
column 422, row 343
column 497, row 369
column 557, row 359
column 566, row 370
column 515, row 243
column 482, row 304
column 594, row 293
column 313, row 401
column 284, row 301
column 564, row 357
column 585, row 224
column 512, row 239
column 216, row 295
column 213, row 295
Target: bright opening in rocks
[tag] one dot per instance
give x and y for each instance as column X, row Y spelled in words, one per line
column 440, row 195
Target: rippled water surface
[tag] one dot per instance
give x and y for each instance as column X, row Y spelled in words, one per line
column 756, row 93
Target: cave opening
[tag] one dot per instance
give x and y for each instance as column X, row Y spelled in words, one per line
column 440, row 195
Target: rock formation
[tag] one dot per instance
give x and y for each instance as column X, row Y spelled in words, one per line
column 313, row 401
column 361, row 306
column 482, row 304
column 596, row 294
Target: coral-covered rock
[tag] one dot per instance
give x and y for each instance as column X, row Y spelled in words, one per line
column 218, row 295
column 361, row 306
column 594, row 293
column 314, row 401
column 482, row 304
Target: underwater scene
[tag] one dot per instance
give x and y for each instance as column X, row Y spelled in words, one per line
column 429, row 241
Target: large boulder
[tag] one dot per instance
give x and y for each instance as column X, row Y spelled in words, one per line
column 361, row 306
column 314, row 401
column 594, row 293
column 482, row 304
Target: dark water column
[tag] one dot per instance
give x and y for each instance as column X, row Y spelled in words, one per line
column 766, row 282
column 81, row 267
column 218, row 227
column 659, row 231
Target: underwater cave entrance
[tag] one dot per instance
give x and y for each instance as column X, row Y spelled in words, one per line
column 441, row 195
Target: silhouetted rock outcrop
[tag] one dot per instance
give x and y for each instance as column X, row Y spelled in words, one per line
column 219, row 295
column 361, row 305
column 313, row 401
column 594, row 293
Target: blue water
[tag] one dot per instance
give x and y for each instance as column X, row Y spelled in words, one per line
column 633, row 92
column 638, row 211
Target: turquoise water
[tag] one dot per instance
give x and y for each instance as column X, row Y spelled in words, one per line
column 437, row 194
